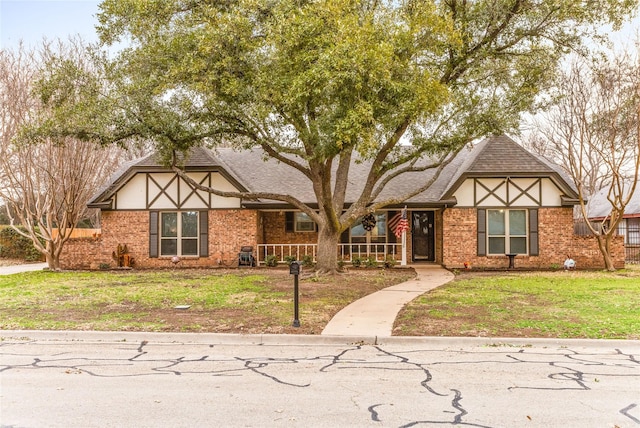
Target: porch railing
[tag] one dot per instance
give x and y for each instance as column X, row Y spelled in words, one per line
column 346, row 252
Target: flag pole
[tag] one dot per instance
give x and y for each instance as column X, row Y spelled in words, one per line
column 403, row 262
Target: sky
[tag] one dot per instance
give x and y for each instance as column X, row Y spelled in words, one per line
column 31, row 20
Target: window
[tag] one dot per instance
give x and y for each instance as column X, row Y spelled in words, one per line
column 179, row 233
column 378, row 233
column 507, row 231
column 303, row 223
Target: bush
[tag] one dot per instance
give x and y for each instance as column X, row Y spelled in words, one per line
column 271, row 261
column 289, row 259
column 307, row 260
column 15, row 246
column 371, row 261
column 390, row 262
column 356, row 261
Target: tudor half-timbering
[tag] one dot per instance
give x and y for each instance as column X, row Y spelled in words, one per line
column 494, row 199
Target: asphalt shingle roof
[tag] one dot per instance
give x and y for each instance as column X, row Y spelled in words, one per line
column 599, row 206
column 495, row 156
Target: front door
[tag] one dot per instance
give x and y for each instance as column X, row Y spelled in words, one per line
column 423, row 236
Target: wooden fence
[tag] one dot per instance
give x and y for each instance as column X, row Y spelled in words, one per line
column 81, row 233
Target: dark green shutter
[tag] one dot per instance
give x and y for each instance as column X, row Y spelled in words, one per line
column 482, row 232
column 204, row 233
column 153, row 234
column 534, row 246
column 289, row 225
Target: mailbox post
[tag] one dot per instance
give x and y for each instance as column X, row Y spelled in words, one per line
column 294, row 269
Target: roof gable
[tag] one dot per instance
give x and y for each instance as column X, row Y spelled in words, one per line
column 503, row 155
column 500, row 156
column 199, row 159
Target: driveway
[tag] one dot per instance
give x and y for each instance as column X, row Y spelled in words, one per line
column 8, row 270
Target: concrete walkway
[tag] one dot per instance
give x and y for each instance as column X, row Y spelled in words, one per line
column 8, row 270
column 375, row 314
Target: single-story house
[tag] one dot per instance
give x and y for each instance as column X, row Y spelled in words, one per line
column 493, row 199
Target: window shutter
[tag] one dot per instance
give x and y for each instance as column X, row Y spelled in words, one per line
column 204, row 233
column 344, row 237
column 534, row 247
column 289, row 220
column 153, row 234
column 482, row 232
column 391, row 233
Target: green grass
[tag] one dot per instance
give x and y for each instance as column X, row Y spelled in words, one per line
column 554, row 304
column 149, row 290
column 244, row 301
column 116, row 300
column 548, row 304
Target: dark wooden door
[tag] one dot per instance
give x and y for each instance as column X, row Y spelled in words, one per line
column 423, row 236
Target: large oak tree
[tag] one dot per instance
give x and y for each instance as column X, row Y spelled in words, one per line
column 402, row 85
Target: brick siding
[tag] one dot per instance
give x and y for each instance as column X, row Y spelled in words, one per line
column 229, row 230
column 556, row 241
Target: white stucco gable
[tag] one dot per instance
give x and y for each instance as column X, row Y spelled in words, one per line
column 166, row 190
column 508, row 192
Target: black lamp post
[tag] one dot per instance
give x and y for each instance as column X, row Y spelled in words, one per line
column 294, row 269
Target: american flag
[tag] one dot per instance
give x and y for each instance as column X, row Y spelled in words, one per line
column 403, row 224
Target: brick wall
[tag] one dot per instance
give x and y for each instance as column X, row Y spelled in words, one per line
column 275, row 233
column 456, row 240
column 556, row 240
column 229, row 230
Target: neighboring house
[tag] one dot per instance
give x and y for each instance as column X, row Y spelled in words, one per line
column 599, row 210
column 493, row 199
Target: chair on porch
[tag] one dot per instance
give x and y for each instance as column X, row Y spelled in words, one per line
column 245, row 257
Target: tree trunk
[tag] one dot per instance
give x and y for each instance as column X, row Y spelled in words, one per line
column 52, row 256
column 327, row 257
column 605, row 249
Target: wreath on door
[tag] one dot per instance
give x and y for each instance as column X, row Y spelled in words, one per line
column 369, row 222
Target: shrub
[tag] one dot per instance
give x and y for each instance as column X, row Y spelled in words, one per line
column 371, row 261
column 104, row 266
column 15, row 246
column 307, row 260
column 341, row 263
column 390, row 262
column 289, row 259
column 271, row 261
column 356, row 261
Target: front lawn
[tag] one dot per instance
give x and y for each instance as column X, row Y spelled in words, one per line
column 561, row 304
column 239, row 301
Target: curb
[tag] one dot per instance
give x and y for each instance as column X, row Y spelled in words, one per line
column 300, row 340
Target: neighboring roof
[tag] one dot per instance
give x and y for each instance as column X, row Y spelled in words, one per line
column 599, row 206
column 251, row 170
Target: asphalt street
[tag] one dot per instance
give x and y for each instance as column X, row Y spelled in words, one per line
column 76, row 379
